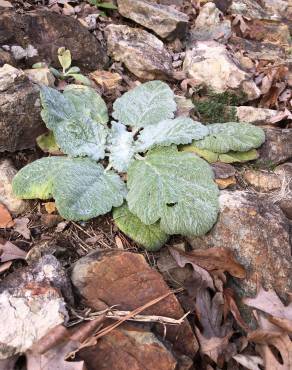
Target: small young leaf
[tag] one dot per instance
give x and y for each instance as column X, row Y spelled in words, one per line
column 47, row 143
column 109, row 6
column 80, row 78
column 73, row 70
column 85, row 190
column 151, row 237
column 64, row 57
column 120, row 147
column 234, row 136
column 176, row 188
column 56, row 73
column 181, row 130
column 36, row 179
column 74, row 121
column 39, row 65
column 147, row 104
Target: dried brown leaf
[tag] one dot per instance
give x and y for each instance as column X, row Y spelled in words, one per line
column 270, row 303
column 5, row 218
column 250, row 362
column 215, row 259
column 200, row 274
column 20, row 226
column 9, row 252
column 232, row 307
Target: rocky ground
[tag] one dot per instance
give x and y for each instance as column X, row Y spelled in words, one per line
column 81, row 295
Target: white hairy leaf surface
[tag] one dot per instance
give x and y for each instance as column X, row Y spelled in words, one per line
column 181, row 130
column 146, row 104
column 235, row 136
column 176, row 188
column 121, row 147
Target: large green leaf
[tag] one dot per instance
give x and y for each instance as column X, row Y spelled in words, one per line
column 151, row 237
column 181, row 130
column 121, row 147
column 176, row 188
column 37, row 178
column 85, row 190
column 76, row 118
column 147, row 104
column 81, row 187
column 239, row 137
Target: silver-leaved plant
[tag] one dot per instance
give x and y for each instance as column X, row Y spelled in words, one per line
column 168, row 190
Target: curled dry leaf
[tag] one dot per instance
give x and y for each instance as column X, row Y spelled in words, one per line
column 270, row 303
column 215, row 259
column 9, row 252
column 20, row 225
column 5, row 218
column 250, row 362
column 200, row 274
column 231, row 306
column 51, row 351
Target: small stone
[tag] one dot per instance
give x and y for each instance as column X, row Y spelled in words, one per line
column 210, row 25
column 106, row 79
column 256, row 116
column 142, row 53
column 257, row 231
column 7, row 172
column 20, row 120
column 210, row 64
column 130, row 345
column 31, row 303
column 262, row 181
column 165, row 21
column 40, row 76
column 277, row 148
column 125, row 279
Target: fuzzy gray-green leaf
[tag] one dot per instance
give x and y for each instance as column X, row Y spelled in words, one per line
column 147, row 104
column 76, row 117
column 85, row 190
column 181, row 130
column 151, row 237
column 235, row 136
column 176, row 188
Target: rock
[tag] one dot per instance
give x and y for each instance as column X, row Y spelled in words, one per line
column 40, row 76
column 130, row 346
column 105, row 79
column 165, row 21
column 253, row 9
column 7, row 172
column 46, row 31
column 256, row 116
column 125, row 279
column 31, row 305
column 277, row 147
column 268, row 31
column 20, row 121
column 224, row 174
column 262, row 181
column 210, row 25
column 6, row 58
column 142, row 53
column 257, row 231
column 284, row 198
column 259, row 50
column 210, row 64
